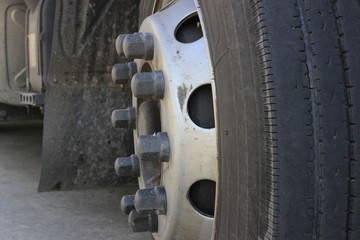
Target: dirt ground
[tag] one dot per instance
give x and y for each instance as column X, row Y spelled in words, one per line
column 26, row 214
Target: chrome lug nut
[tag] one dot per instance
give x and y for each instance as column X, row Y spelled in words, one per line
column 148, row 84
column 152, row 200
column 127, row 204
column 143, row 222
column 123, row 72
column 137, row 45
column 127, row 166
column 124, row 118
column 154, row 148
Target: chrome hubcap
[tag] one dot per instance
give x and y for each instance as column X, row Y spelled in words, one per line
column 175, row 141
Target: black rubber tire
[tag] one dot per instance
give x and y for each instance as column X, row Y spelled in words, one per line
column 289, row 146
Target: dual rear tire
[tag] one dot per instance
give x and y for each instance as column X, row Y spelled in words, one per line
column 286, row 76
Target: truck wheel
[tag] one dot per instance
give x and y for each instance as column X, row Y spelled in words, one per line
column 286, row 112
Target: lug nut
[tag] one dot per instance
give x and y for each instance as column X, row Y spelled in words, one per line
column 152, row 200
column 137, row 45
column 127, row 204
column 122, row 73
column 143, row 222
column 127, row 166
column 119, row 44
column 148, row 84
column 124, row 118
column 154, row 148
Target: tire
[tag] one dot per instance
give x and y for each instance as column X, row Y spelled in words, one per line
column 289, row 146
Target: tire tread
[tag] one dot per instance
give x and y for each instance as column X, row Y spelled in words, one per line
column 304, row 67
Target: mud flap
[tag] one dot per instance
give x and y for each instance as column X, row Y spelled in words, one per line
column 79, row 143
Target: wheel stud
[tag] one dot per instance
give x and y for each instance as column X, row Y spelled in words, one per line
column 127, row 204
column 154, row 148
column 137, row 45
column 143, row 222
column 152, row 200
column 127, row 166
column 122, row 73
column 148, row 84
column 124, row 118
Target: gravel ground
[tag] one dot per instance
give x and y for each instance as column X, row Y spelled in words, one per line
column 26, row 214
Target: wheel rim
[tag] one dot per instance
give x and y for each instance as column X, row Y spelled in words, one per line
column 183, row 171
